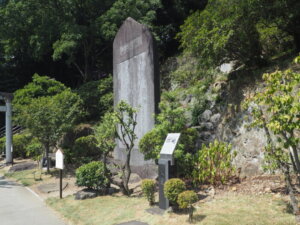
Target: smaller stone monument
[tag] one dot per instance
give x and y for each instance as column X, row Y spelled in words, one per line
column 166, row 159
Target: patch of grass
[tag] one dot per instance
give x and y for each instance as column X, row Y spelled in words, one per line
column 28, row 177
column 229, row 209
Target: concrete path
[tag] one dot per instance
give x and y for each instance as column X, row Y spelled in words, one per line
column 18, row 206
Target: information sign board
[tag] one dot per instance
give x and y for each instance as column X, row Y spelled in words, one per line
column 170, row 144
column 59, row 159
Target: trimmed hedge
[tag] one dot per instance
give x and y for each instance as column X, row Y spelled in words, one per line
column 172, row 188
column 92, row 175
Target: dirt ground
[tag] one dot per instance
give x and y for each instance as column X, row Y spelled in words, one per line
column 257, row 185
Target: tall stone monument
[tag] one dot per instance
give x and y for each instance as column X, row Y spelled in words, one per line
column 136, row 80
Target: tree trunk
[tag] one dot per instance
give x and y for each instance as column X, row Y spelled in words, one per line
column 127, row 173
column 191, row 210
column 294, row 201
column 104, row 159
column 47, row 157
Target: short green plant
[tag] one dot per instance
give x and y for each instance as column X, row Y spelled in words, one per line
column 85, row 149
column 172, row 188
column 148, row 188
column 92, row 175
column 213, row 163
column 185, row 201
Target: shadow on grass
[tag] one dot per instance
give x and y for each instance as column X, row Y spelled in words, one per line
column 198, row 218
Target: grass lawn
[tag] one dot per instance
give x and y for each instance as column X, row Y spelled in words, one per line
column 28, row 177
column 230, row 209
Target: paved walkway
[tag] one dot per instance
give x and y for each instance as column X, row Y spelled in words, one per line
column 18, row 206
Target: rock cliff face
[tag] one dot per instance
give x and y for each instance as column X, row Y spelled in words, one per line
column 249, row 143
column 227, row 121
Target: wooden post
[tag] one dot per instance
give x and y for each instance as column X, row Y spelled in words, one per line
column 59, row 164
column 60, row 183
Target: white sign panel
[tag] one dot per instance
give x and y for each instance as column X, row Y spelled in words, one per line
column 170, row 144
column 59, row 159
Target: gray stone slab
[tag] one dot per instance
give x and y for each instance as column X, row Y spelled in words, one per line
column 52, row 187
column 155, row 211
column 22, row 166
column 133, row 222
column 136, row 80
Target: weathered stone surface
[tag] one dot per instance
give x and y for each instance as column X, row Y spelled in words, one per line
column 206, row 136
column 155, row 211
column 206, row 126
column 205, row 116
column 215, row 118
column 52, row 187
column 85, row 194
column 249, row 145
column 134, row 178
column 22, row 166
column 136, row 80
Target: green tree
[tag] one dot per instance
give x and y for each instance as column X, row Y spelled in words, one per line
column 40, row 86
column 283, row 14
column 125, row 118
column 105, row 134
column 77, row 33
column 49, row 117
column 223, row 32
column 276, row 109
column 97, row 97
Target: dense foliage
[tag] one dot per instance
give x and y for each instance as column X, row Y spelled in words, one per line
column 171, row 119
column 47, row 111
column 217, row 34
column 148, row 188
column 213, row 163
column 105, row 134
column 92, row 175
column 97, row 98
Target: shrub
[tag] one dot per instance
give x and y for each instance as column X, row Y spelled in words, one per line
column 172, row 188
column 34, row 149
column 86, row 146
column 213, row 163
column 97, row 97
column 20, row 141
column 2, row 145
column 185, row 201
column 92, row 175
column 148, row 188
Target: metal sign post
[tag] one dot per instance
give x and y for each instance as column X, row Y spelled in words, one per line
column 166, row 158
column 59, row 164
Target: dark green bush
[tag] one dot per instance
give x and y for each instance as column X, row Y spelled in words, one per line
column 20, row 142
column 148, row 188
column 34, row 149
column 97, row 97
column 185, row 201
column 172, row 188
column 2, row 145
column 92, row 175
column 86, row 146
